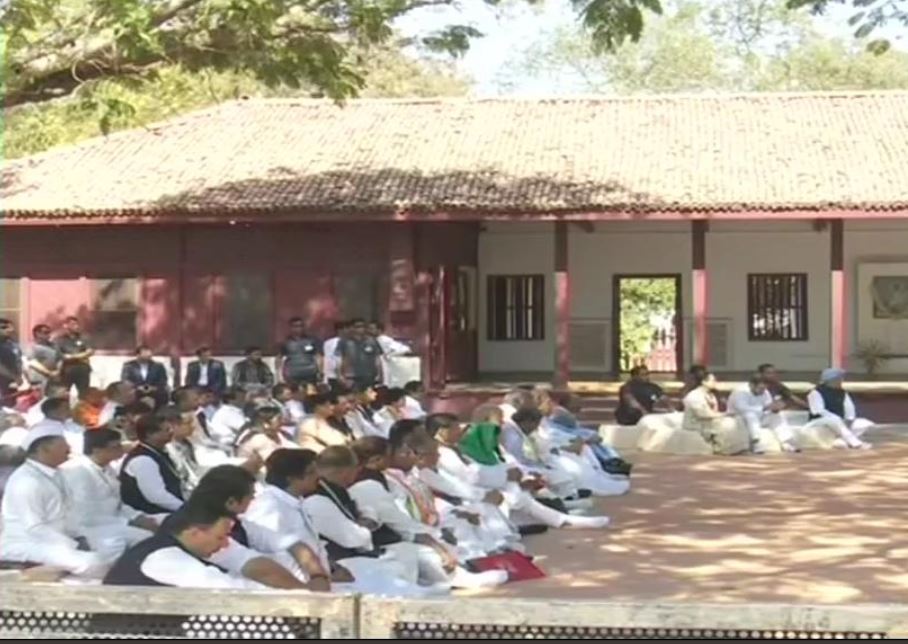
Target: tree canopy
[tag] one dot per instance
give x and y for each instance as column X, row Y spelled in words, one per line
column 726, row 45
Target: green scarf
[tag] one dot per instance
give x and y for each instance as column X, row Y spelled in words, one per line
column 480, row 443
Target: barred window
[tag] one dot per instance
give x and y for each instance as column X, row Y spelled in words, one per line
column 777, row 307
column 516, row 307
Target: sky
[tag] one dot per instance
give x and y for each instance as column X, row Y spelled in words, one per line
column 512, row 28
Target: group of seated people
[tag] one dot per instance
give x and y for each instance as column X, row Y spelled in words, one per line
column 338, row 488
column 760, row 416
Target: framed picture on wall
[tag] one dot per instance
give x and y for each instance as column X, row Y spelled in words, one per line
column 890, row 297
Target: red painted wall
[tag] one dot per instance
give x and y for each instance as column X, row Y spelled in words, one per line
column 183, row 289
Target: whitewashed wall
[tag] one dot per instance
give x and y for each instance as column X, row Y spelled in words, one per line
column 873, row 242
column 517, row 249
column 733, row 249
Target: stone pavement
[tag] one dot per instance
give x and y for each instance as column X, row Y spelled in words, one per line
column 817, row 527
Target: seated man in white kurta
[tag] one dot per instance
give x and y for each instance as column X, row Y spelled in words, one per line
column 831, row 407
column 253, row 551
column 176, row 555
column 57, row 414
column 279, row 507
column 754, row 407
column 438, row 563
column 38, row 521
column 95, row 489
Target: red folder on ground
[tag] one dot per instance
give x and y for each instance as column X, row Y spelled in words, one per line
column 518, row 566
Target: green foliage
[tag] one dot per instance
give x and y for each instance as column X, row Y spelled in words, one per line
column 53, row 47
column 731, row 45
column 868, row 17
column 642, row 299
column 113, row 105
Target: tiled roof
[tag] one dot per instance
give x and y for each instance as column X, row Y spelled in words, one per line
column 687, row 154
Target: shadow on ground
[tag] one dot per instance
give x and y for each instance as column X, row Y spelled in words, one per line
column 819, row 527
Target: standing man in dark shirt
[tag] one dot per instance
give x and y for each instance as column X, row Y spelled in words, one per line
column 300, row 360
column 11, row 378
column 44, row 361
column 775, row 386
column 638, row 397
column 360, row 356
column 76, row 354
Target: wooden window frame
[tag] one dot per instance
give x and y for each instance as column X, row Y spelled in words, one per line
column 786, row 298
column 527, row 304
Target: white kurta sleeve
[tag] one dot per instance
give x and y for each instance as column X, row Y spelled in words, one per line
column 850, row 412
column 151, row 483
column 31, row 503
column 234, row 557
column 380, row 505
column 740, row 403
column 173, row 567
column 263, row 539
column 332, row 524
column 451, row 486
column 817, row 406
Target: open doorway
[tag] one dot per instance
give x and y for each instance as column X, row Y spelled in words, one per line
column 646, row 323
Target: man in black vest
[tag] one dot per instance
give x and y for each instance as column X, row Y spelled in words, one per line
column 176, row 555
column 346, row 532
column 149, row 481
column 832, row 407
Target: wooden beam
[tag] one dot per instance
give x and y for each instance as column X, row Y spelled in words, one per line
column 562, row 306
column 700, row 354
column 838, row 350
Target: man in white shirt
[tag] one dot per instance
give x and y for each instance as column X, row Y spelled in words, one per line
column 754, row 407
column 331, row 359
column 95, row 489
column 149, row 480
column 832, row 407
column 119, row 394
column 38, row 521
column 279, row 506
column 58, row 415
column 230, row 419
column 390, row 348
column 274, row 559
column 438, row 563
column 413, row 402
column 34, row 415
column 176, row 555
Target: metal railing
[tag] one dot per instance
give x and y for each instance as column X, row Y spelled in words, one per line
column 54, row 611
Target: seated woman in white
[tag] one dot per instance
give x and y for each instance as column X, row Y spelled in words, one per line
column 832, row 407
column 279, row 506
column 360, row 417
column 177, row 554
column 319, row 430
column 477, row 462
column 264, row 434
column 253, row 551
column 754, row 407
column 39, row 523
column 702, row 415
column 438, row 563
column 95, row 489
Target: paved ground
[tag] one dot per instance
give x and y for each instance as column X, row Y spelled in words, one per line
column 819, row 527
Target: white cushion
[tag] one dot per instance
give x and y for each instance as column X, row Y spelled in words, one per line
column 662, row 434
column 621, row 437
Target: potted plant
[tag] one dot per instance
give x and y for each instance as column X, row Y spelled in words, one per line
column 874, row 354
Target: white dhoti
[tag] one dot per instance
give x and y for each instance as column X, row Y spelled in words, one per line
column 113, row 538
column 589, row 475
column 847, row 436
column 63, row 556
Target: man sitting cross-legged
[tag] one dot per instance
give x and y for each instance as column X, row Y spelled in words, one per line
column 832, row 407
column 253, row 551
column 372, row 493
column 177, row 555
column 39, row 522
column 753, row 405
column 291, row 476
